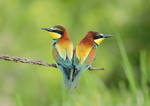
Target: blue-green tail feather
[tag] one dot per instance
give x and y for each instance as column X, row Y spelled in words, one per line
column 66, row 72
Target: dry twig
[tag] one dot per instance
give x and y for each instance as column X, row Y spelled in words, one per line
column 35, row 62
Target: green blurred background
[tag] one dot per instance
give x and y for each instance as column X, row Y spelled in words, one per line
column 125, row 57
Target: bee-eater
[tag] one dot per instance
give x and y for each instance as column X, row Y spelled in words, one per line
column 85, row 54
column 62, row 52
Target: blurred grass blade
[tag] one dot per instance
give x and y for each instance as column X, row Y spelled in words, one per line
column 18, row 100
column 144, row 74
column 127, row 67
column 144, row 77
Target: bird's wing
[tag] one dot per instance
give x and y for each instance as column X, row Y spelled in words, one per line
column 55, row 54
column 61, row 50
column 92, row 56
column 82, row 51
column 69, row 50
column 65, row 48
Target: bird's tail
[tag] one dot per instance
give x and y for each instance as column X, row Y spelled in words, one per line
column 71, row 82
column 75, row 79
column 66, row 72
column 76, row 76
column 66, row 82
column 67, row 78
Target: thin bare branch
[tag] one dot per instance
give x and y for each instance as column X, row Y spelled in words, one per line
column 24, row 60
column 92, row 68
column 35, row 62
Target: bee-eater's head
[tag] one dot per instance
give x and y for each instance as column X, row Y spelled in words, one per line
column 98, row 37
column 56, row 32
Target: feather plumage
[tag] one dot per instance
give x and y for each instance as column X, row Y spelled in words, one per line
column 85, row 54
column 62, row 52
column 73, row 64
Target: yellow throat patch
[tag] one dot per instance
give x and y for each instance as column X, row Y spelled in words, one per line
column 55, row 35
column 98, row 41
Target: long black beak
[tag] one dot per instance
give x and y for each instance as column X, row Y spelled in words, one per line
column 47, row 29
column 107, row 36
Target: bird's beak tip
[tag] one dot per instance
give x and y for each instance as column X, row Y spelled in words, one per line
column 46, row 29
column 107, row 36
column 43, row 28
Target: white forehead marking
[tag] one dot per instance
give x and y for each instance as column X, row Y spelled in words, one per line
column 54, row 28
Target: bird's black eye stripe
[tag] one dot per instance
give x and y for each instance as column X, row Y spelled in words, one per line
column 98, row 36
column 58, row 31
